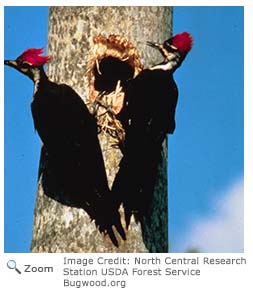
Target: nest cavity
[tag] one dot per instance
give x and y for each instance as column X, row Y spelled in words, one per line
column 113, row 61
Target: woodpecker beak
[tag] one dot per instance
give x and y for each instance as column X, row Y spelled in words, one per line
column 167, row 51
column 13, row 64
column 153, row 45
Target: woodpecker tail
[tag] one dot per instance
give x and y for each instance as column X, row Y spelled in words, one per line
column 106, row 216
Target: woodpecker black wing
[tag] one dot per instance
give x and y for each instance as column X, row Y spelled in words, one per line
column 151, row 100
column 75, row 161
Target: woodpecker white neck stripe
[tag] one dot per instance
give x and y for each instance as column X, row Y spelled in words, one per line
column 36, row 79
column 165, row 67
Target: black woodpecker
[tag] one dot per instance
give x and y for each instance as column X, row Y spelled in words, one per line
column 148, row 116
column 69, row 134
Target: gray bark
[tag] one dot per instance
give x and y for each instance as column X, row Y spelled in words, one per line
column 59, row 228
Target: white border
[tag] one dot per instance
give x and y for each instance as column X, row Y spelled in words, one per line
column 212, row 277
column 127, row 3
column 2, row 133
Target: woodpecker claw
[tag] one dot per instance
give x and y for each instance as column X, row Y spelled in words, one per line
column 97, row 101
column 108, row 109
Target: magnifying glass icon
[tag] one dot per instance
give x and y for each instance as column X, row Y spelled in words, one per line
column 11, row 264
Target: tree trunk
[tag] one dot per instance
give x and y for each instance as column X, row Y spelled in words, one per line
column 60, row 228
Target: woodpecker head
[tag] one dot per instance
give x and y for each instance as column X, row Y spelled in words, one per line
column 174, row 50
column 30, row 62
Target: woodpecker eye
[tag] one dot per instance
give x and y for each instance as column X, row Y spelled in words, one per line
column 22, row 64
column 170, row 47
column 26, row 65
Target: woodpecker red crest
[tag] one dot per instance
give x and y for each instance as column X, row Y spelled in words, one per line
column 183, row 42
column 33, row 56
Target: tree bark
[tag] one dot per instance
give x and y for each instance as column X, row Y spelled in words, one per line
column 60, row 228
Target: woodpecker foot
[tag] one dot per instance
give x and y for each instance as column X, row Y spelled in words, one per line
column 108, row 109
column 97, row 101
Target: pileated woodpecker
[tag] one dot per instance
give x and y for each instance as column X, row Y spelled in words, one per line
column 148, row 116
column 69, row 134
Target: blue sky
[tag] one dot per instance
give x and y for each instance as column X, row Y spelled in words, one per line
column 205, row 153
column 22, row 144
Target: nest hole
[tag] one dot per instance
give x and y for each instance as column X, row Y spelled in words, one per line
column 112, row 61
column 108, row 71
